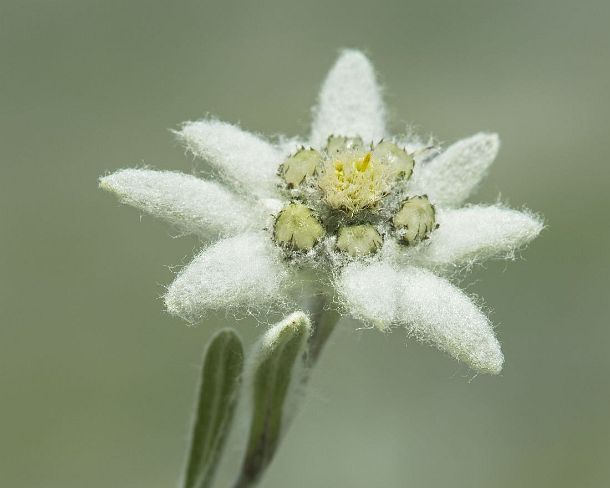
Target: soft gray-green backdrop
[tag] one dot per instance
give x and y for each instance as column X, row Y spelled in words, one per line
column 97, row 382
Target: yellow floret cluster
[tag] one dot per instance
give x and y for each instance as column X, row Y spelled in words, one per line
column 352, row 180
column 339, row 193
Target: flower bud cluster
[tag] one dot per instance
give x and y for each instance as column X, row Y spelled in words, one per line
column 351, row 196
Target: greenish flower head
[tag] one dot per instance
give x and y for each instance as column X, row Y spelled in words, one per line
column 415, row 219
column 303, row 164
column 359, row 240
column 351, row 193
column 296, row 227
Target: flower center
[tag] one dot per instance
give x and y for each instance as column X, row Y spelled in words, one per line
column 340, row 193
column 353, row 181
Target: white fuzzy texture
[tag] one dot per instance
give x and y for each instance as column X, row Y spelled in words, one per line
column 247, row 160
column 350, row 102
column 241, row 272
column 453, row 175
column 193, row 205
column 431, row 308
column 471, row 234
column 294, row 321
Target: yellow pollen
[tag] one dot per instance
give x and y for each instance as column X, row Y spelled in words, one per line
column 363, row 164
column 353, row 180
column 340, row 174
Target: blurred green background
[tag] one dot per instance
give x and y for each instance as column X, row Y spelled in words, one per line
column 97, row 382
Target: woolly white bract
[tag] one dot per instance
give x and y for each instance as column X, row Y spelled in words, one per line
column 377, row 277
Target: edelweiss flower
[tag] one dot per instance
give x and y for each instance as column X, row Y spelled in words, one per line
column 375, row 216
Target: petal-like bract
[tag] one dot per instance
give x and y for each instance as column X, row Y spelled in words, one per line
column 245, row 159
column 350, row 102
column 193, row 205
column 241, row 272
column 452, row 176
column 431, row 308
column 471, row 234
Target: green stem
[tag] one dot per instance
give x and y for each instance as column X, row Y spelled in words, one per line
column 324, row 322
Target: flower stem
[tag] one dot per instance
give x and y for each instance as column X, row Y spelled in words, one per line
column 324, row 322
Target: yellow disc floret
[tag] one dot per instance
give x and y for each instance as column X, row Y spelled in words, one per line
column 297, row 228
column 353, row 180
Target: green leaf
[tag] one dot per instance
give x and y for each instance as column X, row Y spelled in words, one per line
column 218, row 394
column 275, row 373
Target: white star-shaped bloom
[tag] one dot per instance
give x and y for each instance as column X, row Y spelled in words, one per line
column 378, row 218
